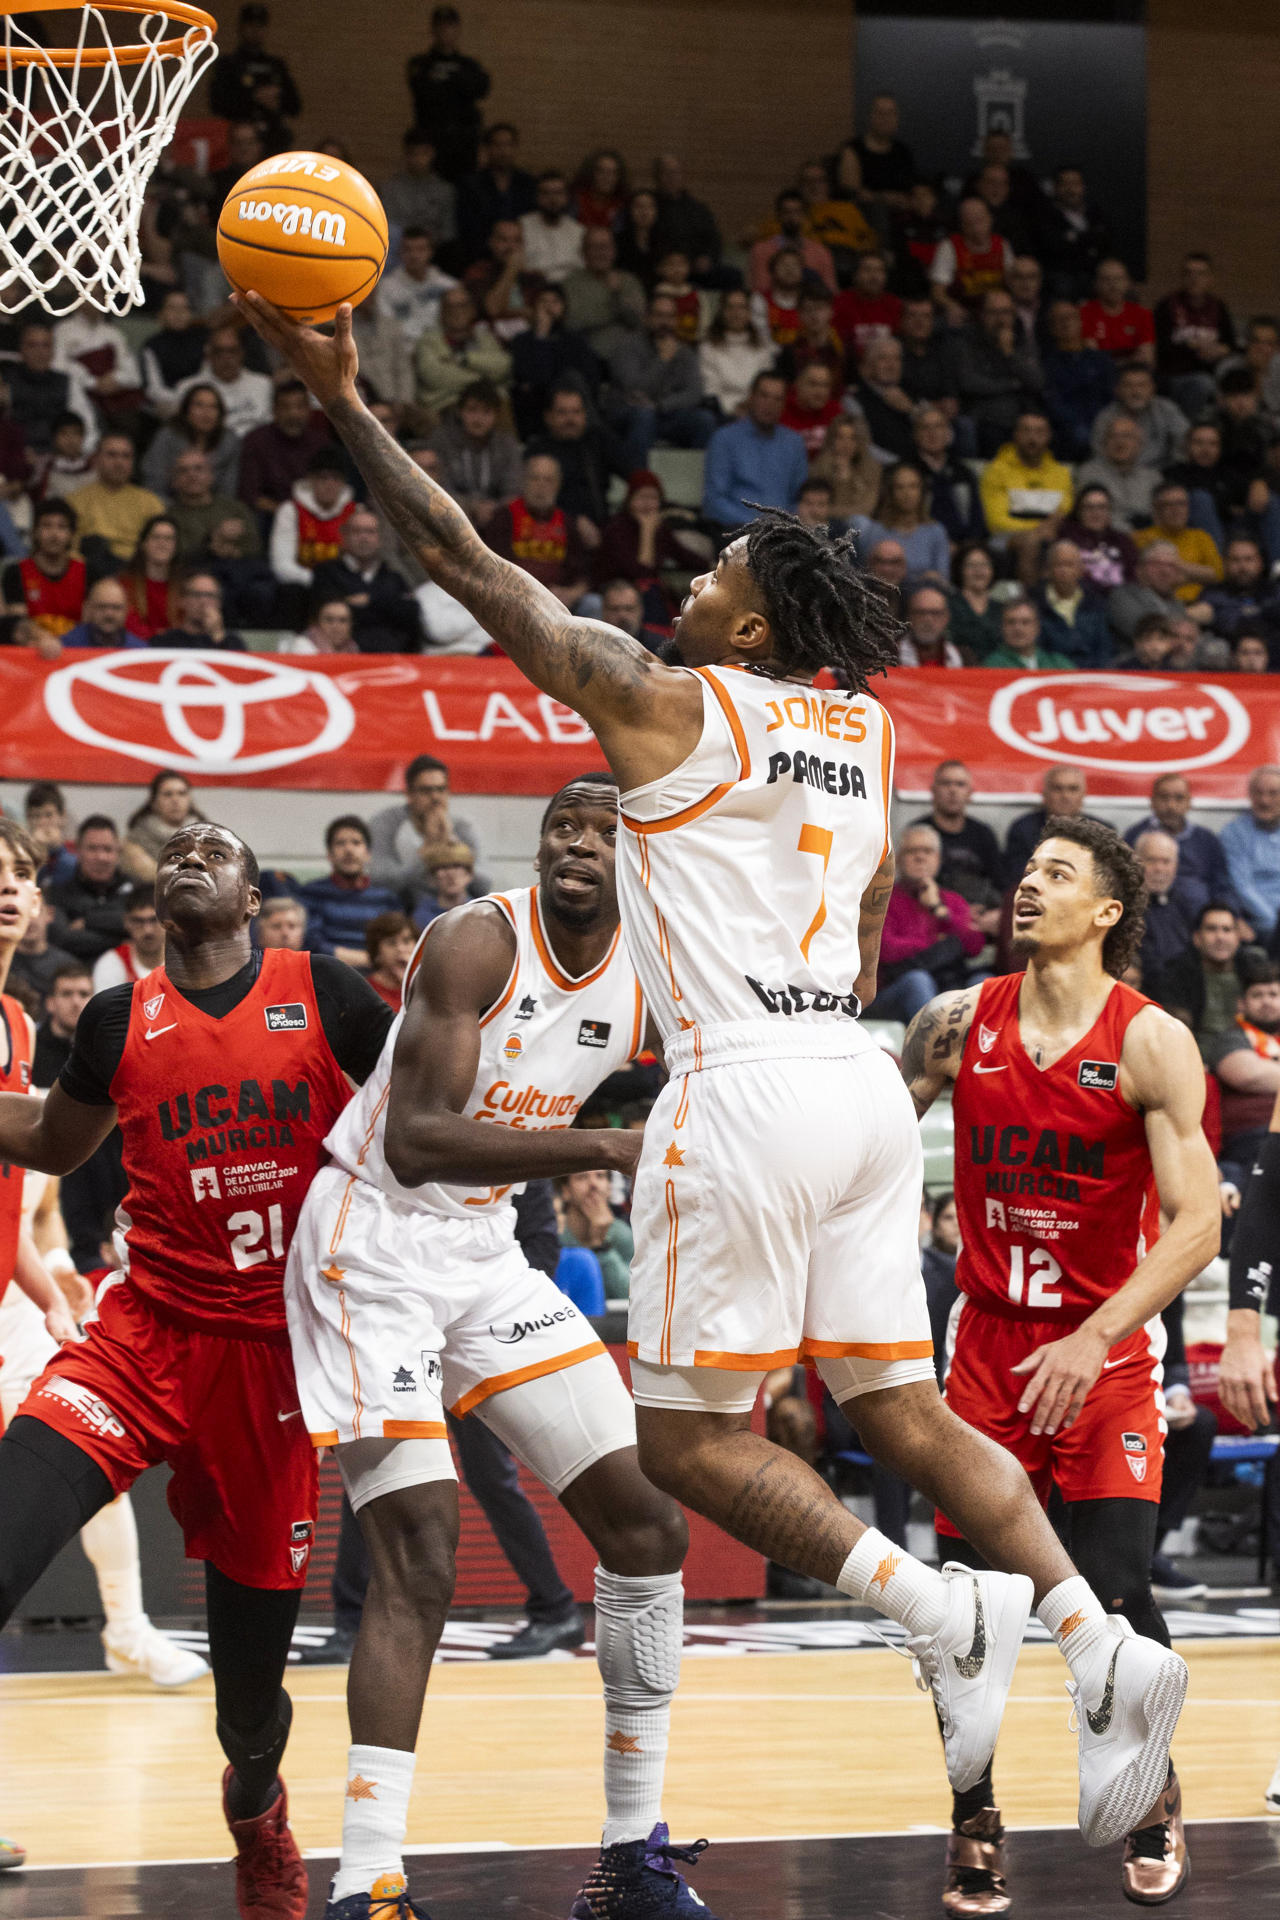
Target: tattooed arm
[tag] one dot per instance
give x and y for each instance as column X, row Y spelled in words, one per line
column 875, row 904
column 934, row 1043
column 648, row 716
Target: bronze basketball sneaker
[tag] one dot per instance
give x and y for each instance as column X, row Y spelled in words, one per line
column 271, row 1881
column 975, row 1881
column 1156, row 1862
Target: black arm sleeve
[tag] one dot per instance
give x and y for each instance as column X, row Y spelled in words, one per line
column 356, row 1021
column 101, row 1032
column 1255, row 1245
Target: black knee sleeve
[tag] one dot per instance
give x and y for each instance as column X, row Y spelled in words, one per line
column 49, row 1487
column 1112, row 1542
column 256, row 1752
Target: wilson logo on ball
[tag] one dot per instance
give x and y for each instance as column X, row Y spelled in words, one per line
column 328, row 227
column 305, row 231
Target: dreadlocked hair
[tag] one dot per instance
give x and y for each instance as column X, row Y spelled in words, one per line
column 822, row 608
column 1118, row 876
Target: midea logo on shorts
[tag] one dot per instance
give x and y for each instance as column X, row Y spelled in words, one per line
column 508, row 1334
column 158, row 707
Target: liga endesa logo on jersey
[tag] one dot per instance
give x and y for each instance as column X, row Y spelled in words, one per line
column 1133, row 722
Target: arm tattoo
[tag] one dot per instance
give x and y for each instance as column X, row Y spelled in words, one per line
column 934, row 1044
column 561, row 655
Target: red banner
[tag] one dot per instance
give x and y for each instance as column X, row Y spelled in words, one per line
column 353, row 722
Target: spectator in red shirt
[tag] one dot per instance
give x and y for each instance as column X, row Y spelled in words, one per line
column 867, row 311
column 929, row 932
column 970, row 263
column 791, row 217
column 1114, row 321
column 389, row 940
column 151, row 584
column 539, row 536
column 48, row 587
column 600, row 189
column 1194, row 331
column 777, row 311
column 673, row 280
column 811, row 406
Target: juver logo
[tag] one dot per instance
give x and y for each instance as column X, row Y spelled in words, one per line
column 1107, row 720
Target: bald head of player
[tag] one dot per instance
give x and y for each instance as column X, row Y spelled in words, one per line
column 788, row 599
column 575, row 853
column 1083, row 887
column 207, row 895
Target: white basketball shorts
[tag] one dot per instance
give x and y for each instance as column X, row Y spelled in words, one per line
column 396, row 1313
column 26, row 1348
column 776, row 1213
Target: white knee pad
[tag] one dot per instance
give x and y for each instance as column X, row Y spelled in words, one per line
column 639, row 1638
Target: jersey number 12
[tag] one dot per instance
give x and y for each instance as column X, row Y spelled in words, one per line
column 1043, row 1268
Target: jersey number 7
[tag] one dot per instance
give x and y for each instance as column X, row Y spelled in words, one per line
column 817, row 840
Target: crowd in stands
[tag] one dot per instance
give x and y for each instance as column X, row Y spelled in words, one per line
column 1043, row 467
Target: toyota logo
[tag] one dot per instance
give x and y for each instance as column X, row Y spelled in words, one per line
column 92, row 701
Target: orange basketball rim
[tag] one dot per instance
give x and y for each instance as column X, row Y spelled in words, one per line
column 124, row 54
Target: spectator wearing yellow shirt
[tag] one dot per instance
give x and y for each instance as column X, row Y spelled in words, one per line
column 110, row 510
column 1026, row 493
column 838, row 224
column 1197, row 550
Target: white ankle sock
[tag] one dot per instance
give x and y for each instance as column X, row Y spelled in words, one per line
column 639, row 1639
column 888, row 1578
column 1077, row 1620
column 374, row 1817
column 110, row 1540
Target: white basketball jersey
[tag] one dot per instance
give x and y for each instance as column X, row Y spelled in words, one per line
column 545, row 1044
column 741, row 873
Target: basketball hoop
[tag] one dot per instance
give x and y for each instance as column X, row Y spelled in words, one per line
column 82, row 127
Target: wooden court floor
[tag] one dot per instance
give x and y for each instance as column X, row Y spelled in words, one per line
column 96, row 1769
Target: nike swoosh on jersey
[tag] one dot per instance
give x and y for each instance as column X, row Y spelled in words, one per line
column 969, row 1665
column 289, row 1416
column 153, row 1033
column 1101, row 1720
column 979, row 1069
column 1108, row 1364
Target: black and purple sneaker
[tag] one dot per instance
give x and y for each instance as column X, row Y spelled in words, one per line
column 635, row 1880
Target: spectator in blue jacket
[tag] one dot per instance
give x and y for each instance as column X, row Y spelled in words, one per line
column 340, row 906
column 1201, row 861
column 1251, row 843
column 1079, row 380
column 1073, row 614
column 754, row 459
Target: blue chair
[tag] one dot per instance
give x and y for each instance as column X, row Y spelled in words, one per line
column 578, row 1275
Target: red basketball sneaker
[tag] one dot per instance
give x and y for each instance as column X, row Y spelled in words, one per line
column 271, row 1881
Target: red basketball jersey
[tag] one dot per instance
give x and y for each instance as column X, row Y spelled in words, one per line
column 223, row 1123
column 15, row 1077
column 1054, row 1190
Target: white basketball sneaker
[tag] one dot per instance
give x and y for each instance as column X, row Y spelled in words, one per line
column 148, row 1654
column 1273, row 1791
column 1127, row 1709
column 968, row 1664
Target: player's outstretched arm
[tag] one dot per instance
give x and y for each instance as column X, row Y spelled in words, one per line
column 934, row 1043
column 40, row 1287
column 1162, row 1074
column 464, row 969
column 53, row 1135
column 617, row 685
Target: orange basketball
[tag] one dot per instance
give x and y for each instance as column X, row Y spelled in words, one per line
column 306, row 232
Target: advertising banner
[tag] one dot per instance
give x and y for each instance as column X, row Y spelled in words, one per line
column 352, row 722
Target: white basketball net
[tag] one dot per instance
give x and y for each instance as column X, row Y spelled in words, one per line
column 78, row 145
